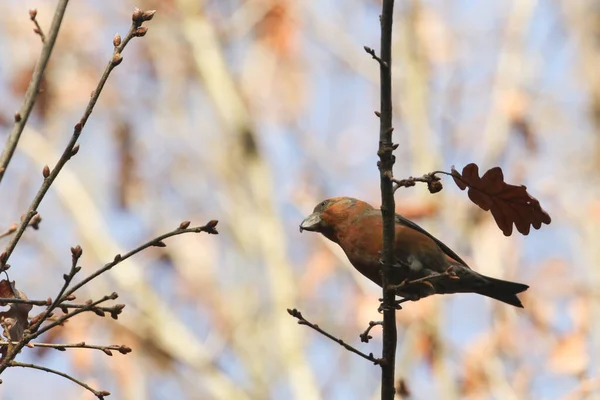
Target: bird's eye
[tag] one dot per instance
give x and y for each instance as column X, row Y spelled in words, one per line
column 324, row 203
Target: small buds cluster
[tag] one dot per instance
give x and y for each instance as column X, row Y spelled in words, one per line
column 116, row 310
column 76, row 252
column 139, row 17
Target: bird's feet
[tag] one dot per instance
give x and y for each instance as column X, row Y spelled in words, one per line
column 396, row 305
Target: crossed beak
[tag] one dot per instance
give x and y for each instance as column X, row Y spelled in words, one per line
column 311, row 223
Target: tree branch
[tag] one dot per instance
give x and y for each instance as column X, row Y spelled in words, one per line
column 303, row 321
column 82, row 345
column 98, row 393
column 158, row 241
column 33, row 89
column 388, row 205
column 136, row 30
column 365, row 337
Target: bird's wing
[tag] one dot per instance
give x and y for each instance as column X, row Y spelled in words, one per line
column 403, row 221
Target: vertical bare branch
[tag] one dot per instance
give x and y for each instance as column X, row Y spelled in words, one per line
column 388, row 205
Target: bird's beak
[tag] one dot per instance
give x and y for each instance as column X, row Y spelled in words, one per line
column 311, row 223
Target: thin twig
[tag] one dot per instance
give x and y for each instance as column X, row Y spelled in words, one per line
column 34, row 223
column 72, row 148
column 424, row 279
column 82, row 345
column 33, row 89
column 61, row 320
column 28, row 335
column 13, row 300
column 76, row 253
column 375, row 57
column 100, row 394
column 158, row 241
column 302, row 321
column 63, row 306
column 38, row 29
column 433, row 182
column 365, row 337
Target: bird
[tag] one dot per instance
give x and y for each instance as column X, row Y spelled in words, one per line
column 423, row 265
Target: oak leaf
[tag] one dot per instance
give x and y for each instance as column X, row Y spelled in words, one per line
column 509, row 204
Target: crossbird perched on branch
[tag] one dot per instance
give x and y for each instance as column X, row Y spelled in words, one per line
column 358, row 228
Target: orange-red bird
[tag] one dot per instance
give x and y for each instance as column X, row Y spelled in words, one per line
column 357, row 227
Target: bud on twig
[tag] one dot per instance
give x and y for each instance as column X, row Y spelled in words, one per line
column 76, row 251
column 141, row 31
column 137, row 16
column 148, row 15
column 117, row 59
column 35, row 221
column 117, row 40
column 210, row 227
column 32, row 14
column 184, row 224
column 46, row 171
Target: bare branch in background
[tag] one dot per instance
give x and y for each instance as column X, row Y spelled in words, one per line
column 303, row 321
column 100, row 394
column 136, row 30
column 22, row 115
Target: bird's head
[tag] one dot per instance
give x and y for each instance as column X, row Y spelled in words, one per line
column 331, row 214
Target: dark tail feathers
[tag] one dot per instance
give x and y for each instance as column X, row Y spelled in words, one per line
column 504, row 291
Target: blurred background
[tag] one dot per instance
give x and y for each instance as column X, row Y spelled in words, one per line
column 251, row 112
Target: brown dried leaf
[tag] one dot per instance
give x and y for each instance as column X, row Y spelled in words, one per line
column 509, row 204
column 15, row 319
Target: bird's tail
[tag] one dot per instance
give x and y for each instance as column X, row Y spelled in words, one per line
column 504, row 291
